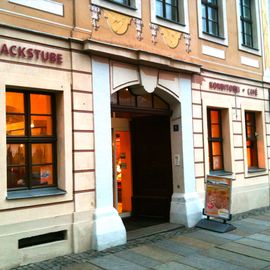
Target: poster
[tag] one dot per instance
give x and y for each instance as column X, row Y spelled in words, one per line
column 218, row 197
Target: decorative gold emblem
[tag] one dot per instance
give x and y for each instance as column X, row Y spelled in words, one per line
column 170, row 37
column 117, row 22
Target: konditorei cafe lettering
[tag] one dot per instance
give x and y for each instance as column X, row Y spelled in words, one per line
column 31, row 54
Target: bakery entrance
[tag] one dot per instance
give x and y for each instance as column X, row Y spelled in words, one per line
column 141, row 155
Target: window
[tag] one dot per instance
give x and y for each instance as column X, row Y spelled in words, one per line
column 210, row 17
column 128, row 7
column 249, row 26
column 215, row 140
column 31, row 140
column 172, row 14
column 246, row 23
column 122, row 2
column 167, row 9
column 251, row 140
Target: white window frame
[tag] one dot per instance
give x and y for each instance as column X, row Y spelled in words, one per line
column 222, row 20
column 135, row 10
column 49, row 6
column 256, row 28
column 183, row 24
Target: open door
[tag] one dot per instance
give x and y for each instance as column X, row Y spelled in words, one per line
column 152, row 168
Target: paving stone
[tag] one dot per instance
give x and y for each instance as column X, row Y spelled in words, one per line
column 81, row 266
column 137, row 258
column 192, row 242
column 263, row 217
column 227, row 235
column 207, row 263
column 254, row 243
column 235, row 258
column 260, row 237
column 174, row 266
column 246, row 250
column 249, row 227
column 112, row 262
column 204, row 236
column 176, row 248
column 156, row 253
column 258, row 222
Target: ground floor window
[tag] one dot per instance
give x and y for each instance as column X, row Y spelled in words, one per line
column 251, row 139
column 215, row 140
column 31, row 139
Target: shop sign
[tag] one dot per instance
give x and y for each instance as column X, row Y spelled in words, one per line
column 218, row 197
column 30, row 53
column 234, row 89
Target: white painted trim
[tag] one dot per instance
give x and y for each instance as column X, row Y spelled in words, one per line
column 108, row 228
column 213, row 52
column 258, row 29
column 44, row 5
column 137, row 12
column 226, row 66
column 184, row 19
column 32, row 18
column 224, row 29
column 250, row 62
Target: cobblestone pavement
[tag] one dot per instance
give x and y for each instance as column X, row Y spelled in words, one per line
column 247, row 247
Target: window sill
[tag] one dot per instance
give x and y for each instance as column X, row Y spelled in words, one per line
column 256, row 170
column 170, row 21
column 122, row 5
column 220, row 173
column 34, row 193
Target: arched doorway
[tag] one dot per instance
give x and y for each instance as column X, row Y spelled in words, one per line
column 141, row 154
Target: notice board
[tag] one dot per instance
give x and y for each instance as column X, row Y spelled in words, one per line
column 218, row 197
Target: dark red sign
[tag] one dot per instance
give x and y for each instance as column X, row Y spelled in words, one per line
column 31, row 54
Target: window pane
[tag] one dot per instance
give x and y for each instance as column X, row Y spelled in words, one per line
column 126, row 98
column 145, row 101
column 16, row 177
column 42, row 175
column 246, row 13
column 159, row 8
column 114, row 98
column 204, row 28
column 213, row 28
column 14, row 102
column 159, row 103
column 215, row 131
column 214, row 117
column 15, row 125
column 216, row 148
column 212, row 14
column 15, row 154
column 217, row 163
column 41, row 153
column 203, row 11
column 40, row 104
column 41, row 125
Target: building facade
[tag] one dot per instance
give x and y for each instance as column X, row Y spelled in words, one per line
column 112, row 108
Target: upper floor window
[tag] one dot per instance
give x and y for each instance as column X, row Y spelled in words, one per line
column 251, row 139
column 246, row 23
column 249, row 26
column 210, row 17
column 215, row 140
column 31, row 140
column 128, row 7
column 168, row 9
column 172, row 14
column 129, row 3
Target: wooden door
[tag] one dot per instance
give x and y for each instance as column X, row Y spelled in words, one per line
column 151, row 166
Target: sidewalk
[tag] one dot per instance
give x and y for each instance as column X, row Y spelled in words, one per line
column 247, row 247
